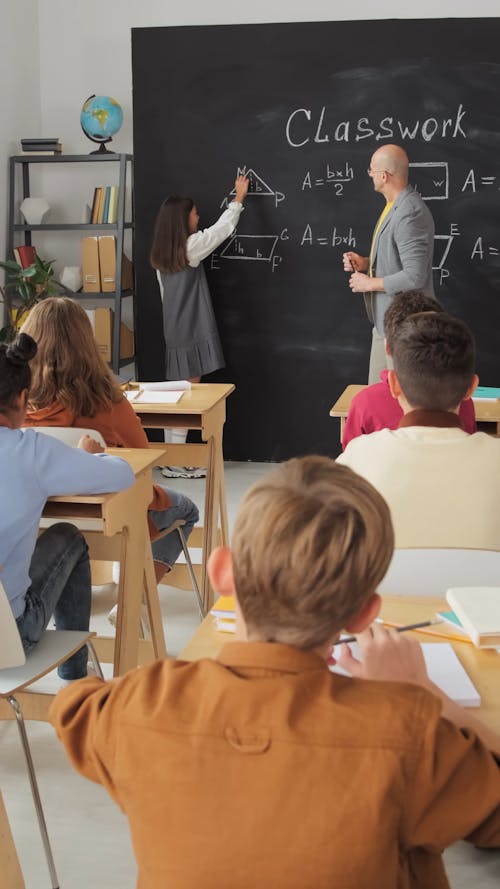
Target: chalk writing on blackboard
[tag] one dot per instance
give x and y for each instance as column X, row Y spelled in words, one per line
column 331, row 175
column 472, row 181
column 304, row 125
column 337, row 238
column 253, row 247
column 480, row 250
column 257, row 187
column 430, row 179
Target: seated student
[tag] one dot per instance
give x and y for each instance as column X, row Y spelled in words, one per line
column 51, row 574
column 374, row 407
column 442, row 485
column 261, row 768
column 73, row 386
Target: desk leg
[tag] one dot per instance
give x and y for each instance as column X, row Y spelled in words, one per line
column 210, row 522
column 153, row 605
column 12, row 877
column 130, row 587
column 342, row 427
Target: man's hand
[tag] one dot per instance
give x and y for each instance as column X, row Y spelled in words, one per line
column 90, row 445
column 387, row 655
column 353, row 262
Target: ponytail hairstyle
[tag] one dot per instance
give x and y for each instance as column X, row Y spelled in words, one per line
column 15, row 373
column 168, row 251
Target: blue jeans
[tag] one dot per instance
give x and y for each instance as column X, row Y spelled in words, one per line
column 60, row 585
column 167, row 549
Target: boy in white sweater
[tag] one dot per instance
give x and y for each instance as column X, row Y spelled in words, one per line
column 442, row 485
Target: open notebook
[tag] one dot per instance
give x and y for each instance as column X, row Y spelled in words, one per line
column 444, row 669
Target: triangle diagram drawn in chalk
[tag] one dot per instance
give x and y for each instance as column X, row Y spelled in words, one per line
column 257, row 186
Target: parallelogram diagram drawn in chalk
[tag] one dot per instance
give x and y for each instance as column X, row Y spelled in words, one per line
column 442, row 244
column 256, row 247
column 430, row 179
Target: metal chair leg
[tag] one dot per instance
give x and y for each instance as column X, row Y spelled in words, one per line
column 191, row 573
column 95, row 660
column 34, row 790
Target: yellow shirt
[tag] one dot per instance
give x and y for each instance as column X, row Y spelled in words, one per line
column 381, row 218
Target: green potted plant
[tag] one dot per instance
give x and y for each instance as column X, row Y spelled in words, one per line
column 22, row 289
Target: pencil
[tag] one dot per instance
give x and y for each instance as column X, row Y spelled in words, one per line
column 405, row 629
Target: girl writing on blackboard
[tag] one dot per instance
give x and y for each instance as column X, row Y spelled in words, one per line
column 193, row 346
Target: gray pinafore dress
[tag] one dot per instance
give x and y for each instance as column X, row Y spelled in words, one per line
column 192, row 342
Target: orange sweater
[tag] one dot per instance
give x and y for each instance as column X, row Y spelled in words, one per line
column 119, row 426
column 261, row 768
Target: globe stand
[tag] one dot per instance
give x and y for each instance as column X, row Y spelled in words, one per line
column 102, row 147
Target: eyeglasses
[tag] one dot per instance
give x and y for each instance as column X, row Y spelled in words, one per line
column 371, row 172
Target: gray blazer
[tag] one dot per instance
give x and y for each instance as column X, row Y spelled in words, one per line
column 402, row 253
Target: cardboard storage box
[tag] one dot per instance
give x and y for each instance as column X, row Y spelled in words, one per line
column 102, row 321
column 107, row 265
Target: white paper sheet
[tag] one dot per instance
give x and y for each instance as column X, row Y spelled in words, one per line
column 444, row 669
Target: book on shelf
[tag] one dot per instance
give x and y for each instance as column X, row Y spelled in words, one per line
column 46, row 153
column 95, row 206
column 24, row 255
column 40, row 146
column 100, row 204
column 113, row 205
column 478, row 610
column 107, row 193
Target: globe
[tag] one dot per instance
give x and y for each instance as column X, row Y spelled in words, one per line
column 101, row 117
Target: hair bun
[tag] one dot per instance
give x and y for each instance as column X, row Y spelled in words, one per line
column 21, row 350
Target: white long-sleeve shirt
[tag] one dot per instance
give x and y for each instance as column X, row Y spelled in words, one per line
column 202, row 243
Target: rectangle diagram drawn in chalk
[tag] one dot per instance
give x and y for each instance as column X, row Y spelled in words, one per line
column 256, row 247
column 430, row 179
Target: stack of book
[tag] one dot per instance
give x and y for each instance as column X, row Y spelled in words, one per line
column 104, row 205
column 41, row 146
column 224, row 614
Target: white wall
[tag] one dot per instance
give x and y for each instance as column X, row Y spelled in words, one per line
column 19, row 88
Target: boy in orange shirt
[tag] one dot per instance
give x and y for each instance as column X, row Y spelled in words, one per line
column 261, row 768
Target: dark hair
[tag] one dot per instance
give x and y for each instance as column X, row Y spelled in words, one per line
column 168, row 251
column 404, row 305
column 15, row 373
column 434, row 358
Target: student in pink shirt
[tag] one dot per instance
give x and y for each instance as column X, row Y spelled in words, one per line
column 374, row 407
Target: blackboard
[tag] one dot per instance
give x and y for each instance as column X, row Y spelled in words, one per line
column 302, row 107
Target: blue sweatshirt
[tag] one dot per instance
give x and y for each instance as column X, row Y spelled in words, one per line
column 33, row 467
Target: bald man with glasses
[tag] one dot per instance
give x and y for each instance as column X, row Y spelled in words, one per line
column 401, row 251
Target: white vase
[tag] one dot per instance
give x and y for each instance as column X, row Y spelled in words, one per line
column 34, row 210
column 71, row 277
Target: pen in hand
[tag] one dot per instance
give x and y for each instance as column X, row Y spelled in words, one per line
column 404, row 629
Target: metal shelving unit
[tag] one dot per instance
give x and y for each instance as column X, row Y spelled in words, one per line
column 125, row 166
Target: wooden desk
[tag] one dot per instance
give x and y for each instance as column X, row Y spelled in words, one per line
column 203, row 407
column 12, row 877
column 482, row 666
column 115, row 527
column 487, row 412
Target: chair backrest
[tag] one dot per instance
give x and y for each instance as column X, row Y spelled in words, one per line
column 430, row 572
column 71, row 435
column 11, row 647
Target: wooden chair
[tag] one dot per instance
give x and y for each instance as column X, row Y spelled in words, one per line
column 430, row 572
column 18, row 671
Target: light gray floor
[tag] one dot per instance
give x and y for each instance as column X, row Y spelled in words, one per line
column 90, row 837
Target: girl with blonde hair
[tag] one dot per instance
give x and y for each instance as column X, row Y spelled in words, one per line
column 73, row 386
